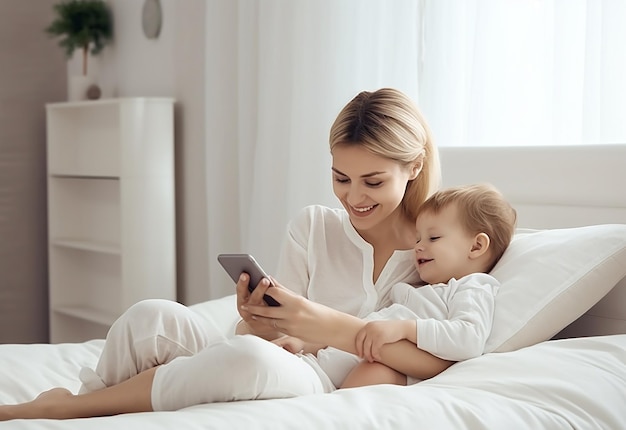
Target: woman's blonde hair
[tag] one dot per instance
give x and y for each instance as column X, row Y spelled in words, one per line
column 481, row 209
column 387, row 123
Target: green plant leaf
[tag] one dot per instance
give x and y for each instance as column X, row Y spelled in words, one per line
column 81, row 24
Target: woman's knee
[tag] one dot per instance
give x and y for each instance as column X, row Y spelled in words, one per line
column 254, row 353
column 144, row 308
column 152, row 312
column 152, row 306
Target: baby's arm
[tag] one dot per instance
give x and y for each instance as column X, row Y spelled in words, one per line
column 375, row 334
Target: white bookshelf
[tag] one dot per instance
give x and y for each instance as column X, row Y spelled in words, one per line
column 111, row 226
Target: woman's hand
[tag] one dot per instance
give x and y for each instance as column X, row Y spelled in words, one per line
column 312, row 322
column 289, row 343
column 296, row 345
column 245, row 297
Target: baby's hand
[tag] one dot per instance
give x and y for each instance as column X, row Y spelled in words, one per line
column 374, row 335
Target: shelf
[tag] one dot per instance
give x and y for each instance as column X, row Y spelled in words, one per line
column 82, row 176
column 111, row 211
column 85, row 211
column 88, row 314
column 85, row 280
column 86, row 245
column 95, row 104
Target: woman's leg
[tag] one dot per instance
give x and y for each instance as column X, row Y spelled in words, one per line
column 242, row 368
column 150, row 333
column 132, row 395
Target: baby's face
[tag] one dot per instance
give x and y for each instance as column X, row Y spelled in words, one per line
column 443, row 246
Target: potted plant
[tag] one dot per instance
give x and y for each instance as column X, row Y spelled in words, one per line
column 85, row 25
column 81, row 24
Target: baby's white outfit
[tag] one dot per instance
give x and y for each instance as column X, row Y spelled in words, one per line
column 453, row 321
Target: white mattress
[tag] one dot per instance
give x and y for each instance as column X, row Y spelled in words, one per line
column 579, row 383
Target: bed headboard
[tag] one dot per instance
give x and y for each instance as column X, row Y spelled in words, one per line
column 555, row 187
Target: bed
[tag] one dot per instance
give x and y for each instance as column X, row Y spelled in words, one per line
column 556, row 358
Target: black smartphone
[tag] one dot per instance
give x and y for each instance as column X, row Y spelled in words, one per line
column 235, row 264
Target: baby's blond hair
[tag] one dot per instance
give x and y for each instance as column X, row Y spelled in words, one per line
column 482, row 209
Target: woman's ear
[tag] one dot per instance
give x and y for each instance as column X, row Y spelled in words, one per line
column 480, row 245
column 416, row 168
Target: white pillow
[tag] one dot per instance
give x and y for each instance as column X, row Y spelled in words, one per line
column 551, row 277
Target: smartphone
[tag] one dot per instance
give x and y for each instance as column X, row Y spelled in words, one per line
column 235, row 264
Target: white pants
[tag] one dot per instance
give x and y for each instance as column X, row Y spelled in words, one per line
column 197, row 363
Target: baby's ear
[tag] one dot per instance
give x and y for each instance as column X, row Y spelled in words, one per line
column 480, row 245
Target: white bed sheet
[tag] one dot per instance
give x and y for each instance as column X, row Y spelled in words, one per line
column 569, row 383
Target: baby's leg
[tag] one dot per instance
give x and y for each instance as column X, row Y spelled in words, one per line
column 148, row 334
column 366, row 373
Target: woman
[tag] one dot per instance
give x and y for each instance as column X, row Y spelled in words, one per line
column 159, row 356
column 384, row 167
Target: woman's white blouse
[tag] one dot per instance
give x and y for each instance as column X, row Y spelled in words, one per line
column 324, row 259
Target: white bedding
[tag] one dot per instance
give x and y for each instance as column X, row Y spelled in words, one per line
column 569, row 383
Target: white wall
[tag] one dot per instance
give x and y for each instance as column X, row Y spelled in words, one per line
column 172, row 65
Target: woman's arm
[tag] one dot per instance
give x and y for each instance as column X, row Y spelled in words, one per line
column 316, row 323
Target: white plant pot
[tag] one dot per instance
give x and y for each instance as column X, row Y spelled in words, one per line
column 77, row 86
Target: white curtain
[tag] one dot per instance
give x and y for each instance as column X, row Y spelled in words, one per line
column 512, row 72
column 491, row 72
column 297, row 63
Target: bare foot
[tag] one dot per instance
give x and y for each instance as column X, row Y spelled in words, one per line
column 53, row 394
column 46, row 405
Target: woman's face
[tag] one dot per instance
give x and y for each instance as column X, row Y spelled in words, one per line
column 369, row 187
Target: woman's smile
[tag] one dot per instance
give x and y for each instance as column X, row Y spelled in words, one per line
column 362, row 211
